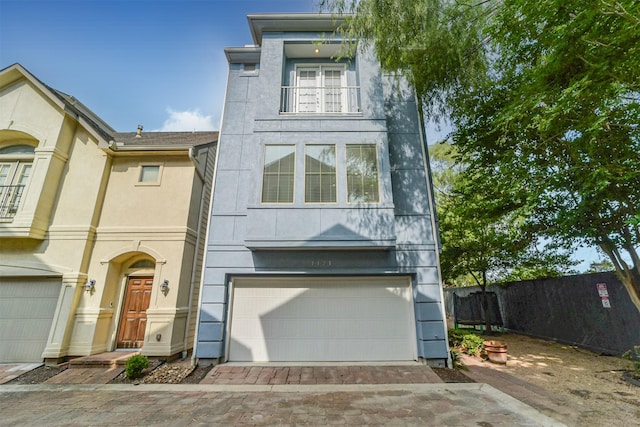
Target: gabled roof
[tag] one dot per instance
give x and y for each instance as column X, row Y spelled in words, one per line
column 68, row 103
column 106, row 135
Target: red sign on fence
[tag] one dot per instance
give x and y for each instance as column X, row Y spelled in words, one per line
column 604, row 295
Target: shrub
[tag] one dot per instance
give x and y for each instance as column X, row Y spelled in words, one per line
column 135, row 365
column 472, row 344
column 634, row 356
column 455, row 337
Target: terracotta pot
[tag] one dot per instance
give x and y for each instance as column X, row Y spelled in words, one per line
column 496, row 351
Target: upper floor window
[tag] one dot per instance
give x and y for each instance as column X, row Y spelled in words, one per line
column 320, row 174
column 150, row 174
column 15, row 168
column 319, row 89
column 323, row 172
column 362, row 174
column 278, row 174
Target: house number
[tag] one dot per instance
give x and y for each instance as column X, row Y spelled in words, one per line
column 321, row 263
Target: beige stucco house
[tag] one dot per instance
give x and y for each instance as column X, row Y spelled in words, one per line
column 100, row 231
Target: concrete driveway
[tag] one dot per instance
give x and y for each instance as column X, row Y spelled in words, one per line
column 326, row 404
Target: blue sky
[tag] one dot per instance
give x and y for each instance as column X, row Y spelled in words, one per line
column 159, row 63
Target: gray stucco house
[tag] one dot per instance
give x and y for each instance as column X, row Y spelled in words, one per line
column 322, row 237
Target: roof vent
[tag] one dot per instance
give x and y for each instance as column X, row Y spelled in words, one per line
column 139, row 133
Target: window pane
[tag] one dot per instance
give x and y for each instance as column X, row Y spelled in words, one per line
column 4, row 173
column 18, row 149
column 278, row 174
column 332, row 91
column 307, row 91
column 24, row 174
column 320, row 174
column 362, row 174
column 149, row 173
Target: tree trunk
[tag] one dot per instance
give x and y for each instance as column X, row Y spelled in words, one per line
column 485, row 303
column 627, row 275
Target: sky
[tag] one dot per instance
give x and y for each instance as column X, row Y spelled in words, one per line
column 157, row 63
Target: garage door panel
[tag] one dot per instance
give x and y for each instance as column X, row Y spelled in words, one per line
column 322, row 320
column 16, row 330
column 27, row 307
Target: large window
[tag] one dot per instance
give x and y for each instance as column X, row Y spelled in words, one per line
column 320, row 89
column 320, row 174
column 15, row 168
column 362, row 174
column 278, row 174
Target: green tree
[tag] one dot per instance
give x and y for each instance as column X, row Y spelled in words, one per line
column 600, row 266
column 545, row 100
column 481, row 240
column 557, row 118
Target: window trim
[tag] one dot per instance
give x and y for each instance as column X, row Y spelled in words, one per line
column 294, row 174
column 346, row 174
column 157, row 182
column 335, row 174
column 17, row 162
column 320, row 67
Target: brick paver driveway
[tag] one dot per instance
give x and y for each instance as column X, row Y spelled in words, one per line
column 243, row 405
column 357, row 374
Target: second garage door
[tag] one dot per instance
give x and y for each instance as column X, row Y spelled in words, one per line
column 27, row 307
column 322, row 319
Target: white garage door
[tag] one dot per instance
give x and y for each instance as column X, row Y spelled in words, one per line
column 26, row 312
column 322, row 319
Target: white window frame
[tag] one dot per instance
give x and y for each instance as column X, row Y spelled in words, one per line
column 18, row 167
column 346, row 173
column 321, row 174
column 294, row 174
column 320, row 87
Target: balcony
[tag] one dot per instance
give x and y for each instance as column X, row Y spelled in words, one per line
column 10, row 196
column 320, row 100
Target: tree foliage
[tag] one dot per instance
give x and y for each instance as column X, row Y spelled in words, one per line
column 557, row 118
column 600, row 266
column 545, row 100
column 481, row 239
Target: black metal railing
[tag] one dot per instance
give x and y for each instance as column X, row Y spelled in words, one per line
column 10, row 196
column 320, row 100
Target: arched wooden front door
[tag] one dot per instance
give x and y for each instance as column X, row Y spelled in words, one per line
column 134, row 312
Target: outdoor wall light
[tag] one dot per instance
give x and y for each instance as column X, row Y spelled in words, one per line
column 90, row 286
column 164, row 286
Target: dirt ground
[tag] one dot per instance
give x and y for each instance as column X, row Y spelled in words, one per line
column 593, row 384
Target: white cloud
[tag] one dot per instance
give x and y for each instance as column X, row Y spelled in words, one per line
column 186, row 121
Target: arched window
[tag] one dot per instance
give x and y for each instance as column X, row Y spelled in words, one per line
column 15, row 167
column 143, row 263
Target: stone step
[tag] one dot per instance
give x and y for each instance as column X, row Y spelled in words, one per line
column 107, row 360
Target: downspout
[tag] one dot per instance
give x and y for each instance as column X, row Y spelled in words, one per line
column 434, row 220
column 197, row 250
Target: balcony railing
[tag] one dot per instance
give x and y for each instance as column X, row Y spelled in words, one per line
column 10, row 196
column 320, row 100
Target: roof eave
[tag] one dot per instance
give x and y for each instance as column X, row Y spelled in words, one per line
column 318, row 22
